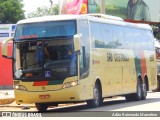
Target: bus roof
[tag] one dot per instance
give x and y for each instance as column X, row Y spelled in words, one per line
column 118, row 21
column 93, row 17
column 48, row 18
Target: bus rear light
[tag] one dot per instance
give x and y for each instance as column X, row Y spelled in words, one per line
column 71, row 84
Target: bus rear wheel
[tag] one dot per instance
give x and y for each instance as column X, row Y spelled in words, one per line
column 144, row 90
column 97, row 97
column 41, row 107
column 138, row 95
column 158, row 85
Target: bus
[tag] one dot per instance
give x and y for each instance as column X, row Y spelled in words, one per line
column 157, row 48
column 109, row 58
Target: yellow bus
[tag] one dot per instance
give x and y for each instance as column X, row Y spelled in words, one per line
column 69, row 59
column 157, row 48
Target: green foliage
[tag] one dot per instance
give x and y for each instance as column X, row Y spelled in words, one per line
column 11, row 11
column 157, row 36
column 156, row 31
column 44, row 11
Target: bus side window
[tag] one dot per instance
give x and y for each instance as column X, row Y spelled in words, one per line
column 137, row 39
column 149, row 39
column 95, row 29
column 128, row 38
column 107, row 36
column 143, row 40
column 82, row 60
column 118, row 37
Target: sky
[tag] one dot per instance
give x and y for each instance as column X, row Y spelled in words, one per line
column 31, row 5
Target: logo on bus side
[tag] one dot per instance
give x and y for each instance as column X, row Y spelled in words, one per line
column 109, row 57
column 118, row 57
column 121, row 57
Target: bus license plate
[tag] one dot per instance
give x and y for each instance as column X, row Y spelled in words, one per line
column 44, row 96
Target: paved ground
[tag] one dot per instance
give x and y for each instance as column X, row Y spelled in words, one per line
column 7, row 99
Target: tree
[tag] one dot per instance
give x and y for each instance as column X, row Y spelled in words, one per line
column 11, row 11
column 156, row 31
column 44, row 11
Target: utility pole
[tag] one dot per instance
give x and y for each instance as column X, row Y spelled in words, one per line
column 60, row 4
column 103, row 5
column 51, row 2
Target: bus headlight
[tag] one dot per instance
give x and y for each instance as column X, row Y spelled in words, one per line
column 71, row 84
column 20, row 87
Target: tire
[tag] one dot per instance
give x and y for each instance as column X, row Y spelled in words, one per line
column 144, row 90
column 97, row 98
column 138, row 94
column 129, row 97
column 54, row 104
column 158, row 85
column 41, row 107
column 135, row 96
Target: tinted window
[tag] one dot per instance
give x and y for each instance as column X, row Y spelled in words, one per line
column 137, row 39
column 118, row 36
column 144, row 41
column 150, row 39
column 96, row 34
column 85, row 45
column 107, row 36
column 128, row 38
column 45, row 29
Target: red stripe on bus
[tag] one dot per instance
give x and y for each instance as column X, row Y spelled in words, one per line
column 40, row 83
column 143, row 63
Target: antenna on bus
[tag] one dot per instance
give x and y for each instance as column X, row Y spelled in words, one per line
column 106, row 16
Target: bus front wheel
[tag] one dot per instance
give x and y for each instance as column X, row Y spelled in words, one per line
column 41, row 107
column 97, row 97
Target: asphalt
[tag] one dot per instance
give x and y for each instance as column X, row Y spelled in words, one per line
column 7, row 99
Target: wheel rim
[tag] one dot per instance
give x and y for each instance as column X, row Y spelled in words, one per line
column 144, row 90
column 139, row 91
column 96, row 96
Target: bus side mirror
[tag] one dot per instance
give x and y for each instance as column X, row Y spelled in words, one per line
column 5, row 48
column 77, row 39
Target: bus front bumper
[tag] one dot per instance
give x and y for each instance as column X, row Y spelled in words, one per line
column 71, row 94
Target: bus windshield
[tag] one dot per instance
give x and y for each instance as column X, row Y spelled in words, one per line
column 51, row 59
column 45, row 29
column 45, row 51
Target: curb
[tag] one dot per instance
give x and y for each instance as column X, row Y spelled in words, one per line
column 6, row 101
